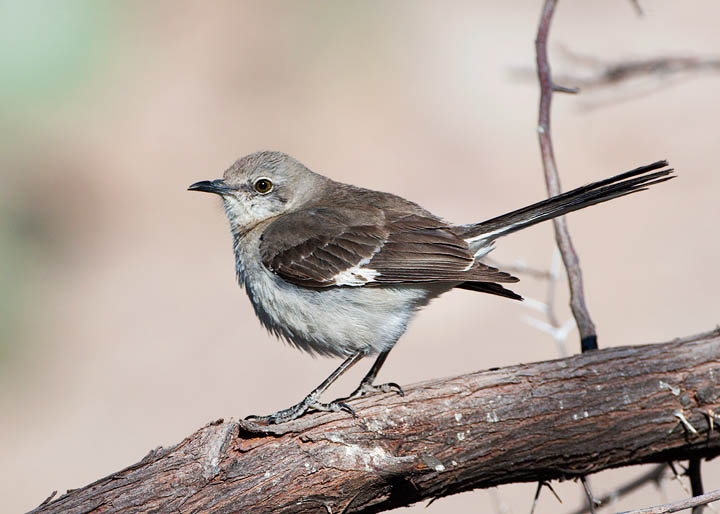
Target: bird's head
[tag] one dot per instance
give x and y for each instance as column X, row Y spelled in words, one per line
column 261, row 186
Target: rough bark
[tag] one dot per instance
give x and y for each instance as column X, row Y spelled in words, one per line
column 532, row 422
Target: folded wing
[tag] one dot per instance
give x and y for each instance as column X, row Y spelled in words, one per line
column 324, row 247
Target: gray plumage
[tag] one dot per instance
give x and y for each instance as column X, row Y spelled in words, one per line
column 340, row 270
column 334, row 269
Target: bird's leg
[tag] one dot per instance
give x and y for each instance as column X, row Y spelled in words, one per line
column 366, row 385
column 311, row 401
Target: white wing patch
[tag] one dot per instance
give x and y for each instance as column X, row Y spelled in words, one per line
column 482, row 251
column 355, row 276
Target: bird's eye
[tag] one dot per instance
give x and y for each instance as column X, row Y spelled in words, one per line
column 263, row 186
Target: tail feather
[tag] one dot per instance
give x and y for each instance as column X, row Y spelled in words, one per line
column 639, row 179
column 491, row 288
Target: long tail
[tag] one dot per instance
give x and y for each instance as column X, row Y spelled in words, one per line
column 482, row 234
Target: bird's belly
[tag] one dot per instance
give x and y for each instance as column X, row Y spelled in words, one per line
column 337, row 321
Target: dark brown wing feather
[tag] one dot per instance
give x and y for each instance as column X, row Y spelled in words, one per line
column 322, row 247
column 490, row 288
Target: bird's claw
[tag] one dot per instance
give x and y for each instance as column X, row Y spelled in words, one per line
column 296, row 411
column 366, row 388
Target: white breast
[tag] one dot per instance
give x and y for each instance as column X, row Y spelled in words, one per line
column 336, row 321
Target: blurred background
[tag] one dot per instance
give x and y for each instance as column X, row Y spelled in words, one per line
column 122, row 327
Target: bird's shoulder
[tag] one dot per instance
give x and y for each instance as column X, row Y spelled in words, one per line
column 350, row 196
column 339, row 207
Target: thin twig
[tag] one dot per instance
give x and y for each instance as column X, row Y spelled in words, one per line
column 678, row 478
column 654, row 476
column 588, row 337
column 638, row 7
column 592, row 502
column 561, row 331
column 677, row 506
column 540, row 485
column 499, row 506
column 558, row 331
column 550, row 294
column 48, row 499
column 635, row 78
column 520, row 268
column 535, row 498
column 627, row 79
column 602, row 73
column 696, row 485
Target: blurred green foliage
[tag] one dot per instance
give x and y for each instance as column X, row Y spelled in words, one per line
column 48, row 49
column 50, row 52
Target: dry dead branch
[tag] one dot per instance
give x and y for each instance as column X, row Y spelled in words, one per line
column 535, row 422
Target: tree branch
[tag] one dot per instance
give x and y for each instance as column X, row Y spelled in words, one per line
column 536, row 422
column 588, row 336
column 695, row 501
column 602, row 74
column 652, row 476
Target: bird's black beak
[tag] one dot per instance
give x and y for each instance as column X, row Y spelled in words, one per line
column 211, row 186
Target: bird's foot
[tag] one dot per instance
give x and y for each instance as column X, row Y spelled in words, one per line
column 310, row 403
column 366, row 387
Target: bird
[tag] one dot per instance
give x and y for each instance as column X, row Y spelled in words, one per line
column 338, row 270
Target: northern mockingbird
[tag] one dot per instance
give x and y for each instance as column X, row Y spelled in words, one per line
column 338, row 270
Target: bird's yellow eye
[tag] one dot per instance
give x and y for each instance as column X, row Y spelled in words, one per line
column 263, row 185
